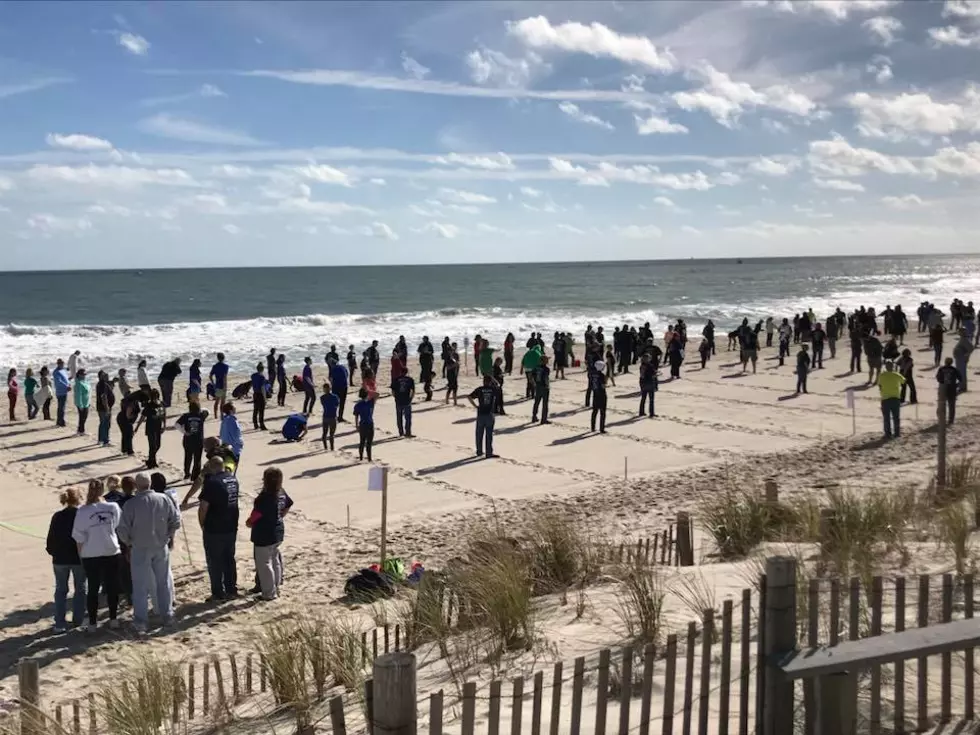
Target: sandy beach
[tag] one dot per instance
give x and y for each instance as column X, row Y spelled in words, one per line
column 717, row 427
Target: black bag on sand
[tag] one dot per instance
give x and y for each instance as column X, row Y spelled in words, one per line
column 368, row 586
column 242, row 390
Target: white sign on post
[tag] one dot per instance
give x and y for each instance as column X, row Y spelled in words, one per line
column 376, row 479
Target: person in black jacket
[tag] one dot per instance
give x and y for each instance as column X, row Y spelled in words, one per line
column 268, row 532
column 949, row 378
column 168, row 374
column 63, row 551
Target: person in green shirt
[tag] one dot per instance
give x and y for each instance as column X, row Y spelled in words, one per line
column 529, row 363
column 83, row 398
column 486, row 359
column 30, row 386
column 890, row 388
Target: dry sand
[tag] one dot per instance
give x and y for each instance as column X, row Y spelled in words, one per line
column 715, row 426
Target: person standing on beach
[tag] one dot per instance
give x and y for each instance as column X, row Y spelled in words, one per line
column 218, row 517
column 62, row 384
column 374, row 357
column 30, row 388
column 452, row 376
column 142, row 377
column 961, row 357
column 403, row 391
column 351, row 364
column 905, row 365
column 890, row 388
column 949, row 379
column 770, row 330
column 191, row 425
column 280, row 376
column 427, row 360
column 155, row 416
column 331, row 403
column 484, row 399
column 83, row 398
column 13, row 389
column 340, row 378
column 542, row 390
column 195, row 384
column 168, row 375
column 364, row 423
column 63, row 550
column 833, row 332
column 530, row 361
column 597, row 383
column 509, row 353
column 219, row 379
column 74, row 363
column 309, row 387
column 873, row 350
column 802, row 369
column 43, row 395
column 857, row 346
column 498, row 378
column 129, row 411
column 648, row 380
column 147, row 526
column 94, row 530
column 230, row 435
column 270, row 363
column 817, row 338
column 259, row 398
column 486, row 358
column 105, row 399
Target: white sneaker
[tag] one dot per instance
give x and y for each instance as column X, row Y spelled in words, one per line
column 114, row 624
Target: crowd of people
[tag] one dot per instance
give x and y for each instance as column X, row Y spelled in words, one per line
column 120, row 539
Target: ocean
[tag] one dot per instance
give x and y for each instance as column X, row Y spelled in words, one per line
column 118, row 317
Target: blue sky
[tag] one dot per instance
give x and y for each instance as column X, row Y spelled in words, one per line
column 202, row 134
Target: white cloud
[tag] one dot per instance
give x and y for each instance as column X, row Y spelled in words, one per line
column 595, row 40
column 772, row 167
column 953, row 36
column 9, row 90
column 768, row 230
column 665, row 202
column 231, row 229
column 897, row 117
column 489, row 229
column 133, row 43
column 383, row 231
column 837, row 184
column 881, row 67
column 835, row 9
column 378, row 182
column 205, row 91
column 177, row 128
column 883, row 28
column 906, row 201
column 687, row 229
column 77, row 142
column 654, row 125
column 585, row 178
column 443, row 230
column 969, row 9
column 124, row 177
column 414, row 68
column 495, row 68
column 638, row 232
column 531, row 193
column 955, row 162
column 726, row 100
column 466, row 197
column 323, row 174
column 305, row 205
column 838, row 158
column 490, row 162
column 577, row 113
column 6, row 184
column 233, row 172
column 570, row 229
column 49, row 224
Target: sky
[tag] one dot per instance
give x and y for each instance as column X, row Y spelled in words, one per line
column 201, row 134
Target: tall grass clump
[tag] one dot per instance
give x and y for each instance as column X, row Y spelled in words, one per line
column 158, row 687
column 737, row 520
column 283, row 648
column 561, row 554
column 333, row 649
column 640, row 603
column 954, row 528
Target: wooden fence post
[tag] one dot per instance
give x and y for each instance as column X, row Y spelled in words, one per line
column 685, row 540
column 394, row 694
column 28, row 680
column 779, row 640
column 772, row 492
column 837, row 704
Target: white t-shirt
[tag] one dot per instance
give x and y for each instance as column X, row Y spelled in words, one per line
column 95, row 529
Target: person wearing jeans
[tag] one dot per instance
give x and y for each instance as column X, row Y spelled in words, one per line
column 105, row 399
column 403, row 390
column 148, row 524
column 218, row 516
column 484, row 399
column 950, row 380
column 83, row 398
column 890, row 388
column 542, row 390
column 67, row 565
column 62, row 384
column 94, row 529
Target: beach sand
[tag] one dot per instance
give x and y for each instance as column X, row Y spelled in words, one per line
column 716, row 427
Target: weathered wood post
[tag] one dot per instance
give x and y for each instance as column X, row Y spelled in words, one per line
column 779, row 640
column 837, row 704
column 685, row 539
column 394, row 694
column 772, row 492
column 28, row 679
column 941, row 439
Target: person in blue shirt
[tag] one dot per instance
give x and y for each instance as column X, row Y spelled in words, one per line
column 295, row 427
column 62, row 385
column 339, row 381
column 219, row 377
column 258, row 398
column 309, row 388
column 281, row 378
column 364, row 422
column 230, row 432
column 331, row 403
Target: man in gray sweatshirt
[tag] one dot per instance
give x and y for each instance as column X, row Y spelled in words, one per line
column 149, row 522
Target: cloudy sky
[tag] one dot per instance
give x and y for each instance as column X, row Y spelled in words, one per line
column 202, row 134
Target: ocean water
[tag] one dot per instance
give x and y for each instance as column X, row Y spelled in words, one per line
column 118, row 317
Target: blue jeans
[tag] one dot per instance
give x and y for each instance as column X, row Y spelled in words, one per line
column 403, row 416
column 890, row 412
column 151, row 577
column 61, row 574
column 484, row 428
column 219, row 552
column 961, row 366
column 62, row 401
column 105, row 421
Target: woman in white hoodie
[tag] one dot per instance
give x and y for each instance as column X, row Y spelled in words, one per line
column 94, row 531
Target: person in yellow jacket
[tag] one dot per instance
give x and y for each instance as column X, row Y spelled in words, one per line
column 890, row 388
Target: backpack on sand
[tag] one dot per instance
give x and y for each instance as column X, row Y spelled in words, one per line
column 368, row 586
